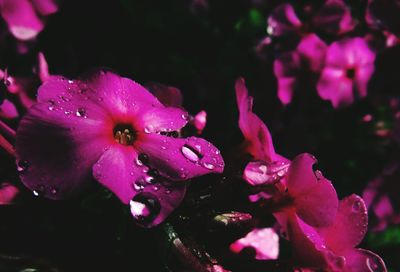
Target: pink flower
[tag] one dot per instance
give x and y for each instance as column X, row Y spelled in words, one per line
column 333, row 17
column 8, row 192
column 288, row 67
column 348, row 67
column 333, row 247
column 111, row 128
column 26, row 18
column 264, row 241
column 381, row 197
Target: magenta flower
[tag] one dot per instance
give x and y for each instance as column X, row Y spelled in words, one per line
column 333, row 17
column 265, row 243
column 26, row 18
column 306, row 194
column 8, row 192
column 348, row 67
column 288, row 66
column 113, row 129
column 333, row 247
column 381, row 198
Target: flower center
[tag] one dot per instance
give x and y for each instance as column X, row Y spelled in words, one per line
column 124, row 134
column 351, row 73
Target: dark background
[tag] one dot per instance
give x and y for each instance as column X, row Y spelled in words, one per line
column 202, row 52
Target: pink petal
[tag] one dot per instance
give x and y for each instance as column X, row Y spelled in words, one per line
column 45, row 7
column 118, row 171
column 334, row 86
column 350, row 225
column 313, row 49
column 309, row 248
column 8, row 192
column 363, row 75
column 200, row 121
column 383, row 207
column 348, row 53
column 44, row 74
column 180, row 159
column 314, row 197
column 286, row 86
column 257, row 136
column 361, row 260
column 283, row 20
column 21, row 18
column 287, row 65
column 168, row 95
column 126, row 101
column 334, row 17
column 8, row 110
column 265, row 242
column 58, row 142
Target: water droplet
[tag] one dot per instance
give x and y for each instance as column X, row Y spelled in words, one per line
column 67, row 112
column 357, row 206
column 163, row 147
column 138, row 185
column 209, row 166
column 81, row 112
column 148, row 129
column 156, row 188
column 142, row 159
column 51, row 105
column 149, row 179
column 53, row 191
column 185, row 116
column 35, row 193
column 189, row 153
column 70, row 81
column 144, row 208
column 65, row 99
column 318, row 174
column 22, row 166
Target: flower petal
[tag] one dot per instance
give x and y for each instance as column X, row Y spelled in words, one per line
column 119, row 171
column 180, row 159
column 21, row 18
column 161, row 119
column 168, row 95
column 334, row 17
column 8, row 110
column 56, row 147
column 363, row 75
column 309, row 248
column 283, row 20
column 8, row 192
column 265, row 242
column 45, row 7
column 360, row 260
column 334, row 86
column 256, row 134
column 313, row 49
column 314, row 197
column 350, row 224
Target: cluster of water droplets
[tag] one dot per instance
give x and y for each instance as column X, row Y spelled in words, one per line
column 260, row 172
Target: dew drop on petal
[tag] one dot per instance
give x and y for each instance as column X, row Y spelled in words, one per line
column 81, row 112
column 209, row 166
column 22, row 166
column 35, row 193
column 189, row 153
column 51, row 105
column 144, row 208
column 357, row 206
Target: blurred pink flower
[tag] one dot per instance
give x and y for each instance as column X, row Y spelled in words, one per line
column 349, row 65
column 26, row 18
column 8, row 192
column 333, row 17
